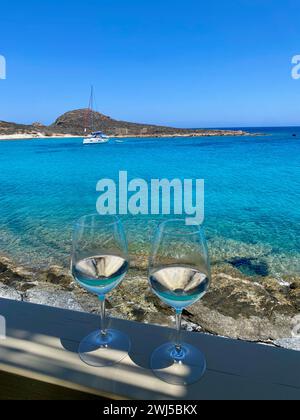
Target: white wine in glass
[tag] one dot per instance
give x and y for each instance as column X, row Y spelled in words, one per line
column 179, row 274
column 99, row 264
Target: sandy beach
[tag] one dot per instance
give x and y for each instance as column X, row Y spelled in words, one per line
column 32, row 137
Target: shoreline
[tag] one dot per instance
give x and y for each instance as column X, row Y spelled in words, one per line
column 11, row 137
column 258, row 310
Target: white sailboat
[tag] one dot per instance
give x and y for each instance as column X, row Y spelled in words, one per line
column 96, row 137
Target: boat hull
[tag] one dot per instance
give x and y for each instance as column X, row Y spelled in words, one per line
column 91, row 140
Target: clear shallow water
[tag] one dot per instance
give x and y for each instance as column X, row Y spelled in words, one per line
column 252, row 194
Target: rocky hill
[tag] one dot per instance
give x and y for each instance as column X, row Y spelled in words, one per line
column 34, row 130
column 75, row 122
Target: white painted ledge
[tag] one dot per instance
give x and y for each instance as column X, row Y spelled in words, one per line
column 41, row 345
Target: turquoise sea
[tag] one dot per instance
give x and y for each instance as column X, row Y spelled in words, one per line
column 252, row 194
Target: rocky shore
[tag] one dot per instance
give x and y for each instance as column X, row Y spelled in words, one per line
column 260, row 309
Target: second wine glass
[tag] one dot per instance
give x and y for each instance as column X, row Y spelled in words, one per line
column 179, row 275
column 99, row 264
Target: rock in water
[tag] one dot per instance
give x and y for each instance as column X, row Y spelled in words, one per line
column 13, row 275
column 56, row 275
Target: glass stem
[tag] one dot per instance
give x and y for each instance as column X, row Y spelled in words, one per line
column 178, row 344
column 102, row 316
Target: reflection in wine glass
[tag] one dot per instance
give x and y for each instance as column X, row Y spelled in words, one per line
column 179, row 274
column 99, row 264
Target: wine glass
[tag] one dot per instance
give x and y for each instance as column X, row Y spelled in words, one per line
column 179, row 274
column 99, row 264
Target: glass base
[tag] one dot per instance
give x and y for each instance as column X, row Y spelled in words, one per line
column 178, row 368
column 99, row 350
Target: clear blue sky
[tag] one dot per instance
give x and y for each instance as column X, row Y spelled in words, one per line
column 181, row 62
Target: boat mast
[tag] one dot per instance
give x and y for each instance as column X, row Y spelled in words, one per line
column 89, row 119
column 92, row 107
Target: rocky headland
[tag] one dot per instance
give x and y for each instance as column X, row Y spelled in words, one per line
column 259, row 309
column 74, row 123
